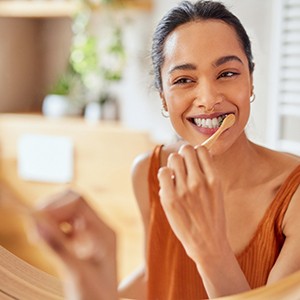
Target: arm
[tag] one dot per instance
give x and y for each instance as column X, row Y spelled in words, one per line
column 192, row 198
column 134, row 286
column 288, row 261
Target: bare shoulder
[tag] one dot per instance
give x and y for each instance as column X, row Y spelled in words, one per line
column 139, row 174
column 290, row 160
column 291, row 221
column 168, row 149
column 140, row 166
column 279, row 165
column 140, row 169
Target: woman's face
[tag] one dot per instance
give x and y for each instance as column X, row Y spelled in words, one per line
column 206, row 75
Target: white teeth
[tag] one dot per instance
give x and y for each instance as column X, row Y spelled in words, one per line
column 198, row 121
column 208, row 123
column 215, row 122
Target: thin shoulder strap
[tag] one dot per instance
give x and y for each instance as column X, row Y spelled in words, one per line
column 155, row 163
column 285, row 195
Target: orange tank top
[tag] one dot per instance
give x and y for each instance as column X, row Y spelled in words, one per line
column 172, row 275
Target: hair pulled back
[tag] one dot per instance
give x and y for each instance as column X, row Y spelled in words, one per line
column 186, row 12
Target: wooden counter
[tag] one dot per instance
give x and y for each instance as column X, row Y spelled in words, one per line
column 104, row 153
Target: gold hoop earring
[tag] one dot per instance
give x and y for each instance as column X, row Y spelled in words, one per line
column 164, row 113
column 252, row 98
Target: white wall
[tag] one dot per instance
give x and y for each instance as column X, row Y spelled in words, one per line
column 256, row 16
column 140, row 105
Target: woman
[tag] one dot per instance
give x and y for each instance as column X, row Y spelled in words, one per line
column 222, row 221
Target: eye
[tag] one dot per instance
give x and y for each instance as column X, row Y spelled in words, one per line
column 183, row 80
column 228, row 74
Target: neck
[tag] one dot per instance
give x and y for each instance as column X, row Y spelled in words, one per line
column 234, row 166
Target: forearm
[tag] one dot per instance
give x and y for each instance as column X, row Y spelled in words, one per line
column 221, row 274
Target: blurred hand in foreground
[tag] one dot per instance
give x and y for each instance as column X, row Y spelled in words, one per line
column 83, row 242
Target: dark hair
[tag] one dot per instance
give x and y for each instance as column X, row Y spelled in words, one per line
column 187, row 12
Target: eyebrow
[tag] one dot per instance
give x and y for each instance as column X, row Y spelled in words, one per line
column 224, row 59
column 183, row 67
column 220, row 61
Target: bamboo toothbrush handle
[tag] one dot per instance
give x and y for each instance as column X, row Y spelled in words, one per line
column 227, row 122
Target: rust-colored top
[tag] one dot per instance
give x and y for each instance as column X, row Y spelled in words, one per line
column 172, row 275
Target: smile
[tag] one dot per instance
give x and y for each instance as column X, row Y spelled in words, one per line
column 207, row 122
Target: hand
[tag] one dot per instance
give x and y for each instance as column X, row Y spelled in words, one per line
column 83, row 242
column 192, row 199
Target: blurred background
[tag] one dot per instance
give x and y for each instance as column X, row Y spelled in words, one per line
column 78, row 73
column 106, row 45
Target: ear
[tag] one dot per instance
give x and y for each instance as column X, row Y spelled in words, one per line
column 163, row 101
column 252, row 84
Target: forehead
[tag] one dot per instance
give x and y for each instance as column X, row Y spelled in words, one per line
column 199, row 39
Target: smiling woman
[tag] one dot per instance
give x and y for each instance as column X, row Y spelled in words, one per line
column 187, row 78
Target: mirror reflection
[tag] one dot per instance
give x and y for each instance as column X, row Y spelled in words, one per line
column 149, row 150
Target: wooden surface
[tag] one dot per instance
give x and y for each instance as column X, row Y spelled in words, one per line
column 34, row 9
column 55, row 9
column 104, row 154
column 286, row 289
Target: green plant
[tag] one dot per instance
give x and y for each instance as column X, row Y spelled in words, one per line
column 91, row 64
column 63, row 85
column 115, row 54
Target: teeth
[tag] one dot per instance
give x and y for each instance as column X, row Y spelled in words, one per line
column 215, row 122
column 197, row 122
column 209, row 123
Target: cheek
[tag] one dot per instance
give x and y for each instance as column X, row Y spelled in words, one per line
column 177, row 103
column 243, row 97
column 177, row 107
column 242, row 102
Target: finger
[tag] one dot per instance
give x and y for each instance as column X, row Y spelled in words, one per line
column 166, row 178
column 49, row 232
column 206, row 162
column 177, row 164
column 85, row 247
column 66, row 207
column 88, row 244
column 74, row 216
column 193, row 166
column 61, row 206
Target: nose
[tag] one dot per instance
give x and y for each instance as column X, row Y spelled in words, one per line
column 207, row 96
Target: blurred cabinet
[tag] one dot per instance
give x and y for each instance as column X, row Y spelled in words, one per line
column 35, row 42
column 36, row 36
